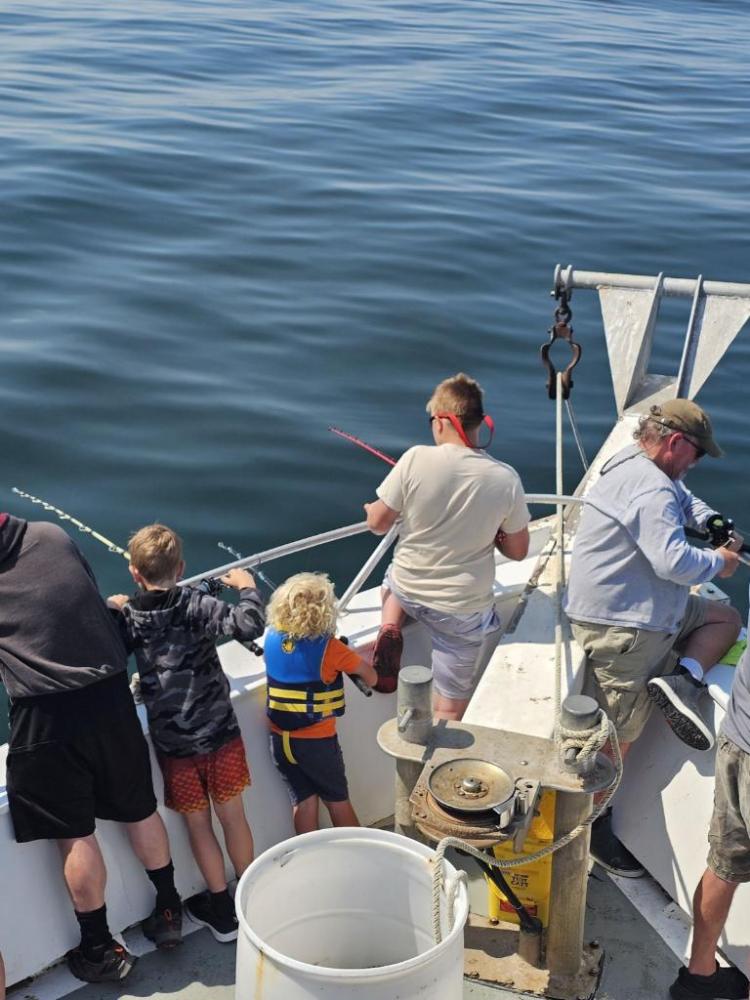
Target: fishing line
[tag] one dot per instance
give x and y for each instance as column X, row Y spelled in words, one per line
column 256, row 570
column 85, row 529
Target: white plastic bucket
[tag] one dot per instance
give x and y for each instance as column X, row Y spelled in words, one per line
column 346, row 913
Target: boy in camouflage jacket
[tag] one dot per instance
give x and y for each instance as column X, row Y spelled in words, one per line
column 173, row 631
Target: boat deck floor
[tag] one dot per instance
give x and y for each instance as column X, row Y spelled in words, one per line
column 638, row 964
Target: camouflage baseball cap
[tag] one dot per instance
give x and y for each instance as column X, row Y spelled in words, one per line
column 685, row 416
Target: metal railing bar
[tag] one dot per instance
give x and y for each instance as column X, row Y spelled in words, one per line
column 281, row 550
column 337, row 534
column 690, row 347
column 571, row 278
column 354, row 587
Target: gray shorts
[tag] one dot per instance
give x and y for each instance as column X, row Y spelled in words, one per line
column 457, row 640
column 729, row 833
column 621, row 661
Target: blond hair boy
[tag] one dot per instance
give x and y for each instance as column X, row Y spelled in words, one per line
column 305, row 665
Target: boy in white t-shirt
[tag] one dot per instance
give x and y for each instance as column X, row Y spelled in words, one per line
column 456, row 504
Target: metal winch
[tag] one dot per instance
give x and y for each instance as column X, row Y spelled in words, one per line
column 475, row 799
column 484, row 787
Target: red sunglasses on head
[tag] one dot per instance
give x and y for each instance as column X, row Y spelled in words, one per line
column 457, row 426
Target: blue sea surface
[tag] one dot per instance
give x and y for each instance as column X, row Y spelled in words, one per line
column 228, row 225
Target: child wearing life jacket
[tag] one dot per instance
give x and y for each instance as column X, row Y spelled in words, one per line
column 305, row 665
column 192, row 724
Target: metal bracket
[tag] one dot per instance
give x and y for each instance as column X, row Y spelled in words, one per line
column 527, row 797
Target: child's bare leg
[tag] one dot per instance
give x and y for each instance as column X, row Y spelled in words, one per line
column 342, row 813
column 237, row 833
column 305, row 815
column 206, row 849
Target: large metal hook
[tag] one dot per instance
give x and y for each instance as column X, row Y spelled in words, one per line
column 561, row 330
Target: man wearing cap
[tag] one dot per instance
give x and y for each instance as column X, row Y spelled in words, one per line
column 646, row 638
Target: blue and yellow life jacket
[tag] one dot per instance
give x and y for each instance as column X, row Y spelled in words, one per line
column 296, row 696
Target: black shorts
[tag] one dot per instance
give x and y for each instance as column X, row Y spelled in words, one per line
column 311, row 767
column 74, row 757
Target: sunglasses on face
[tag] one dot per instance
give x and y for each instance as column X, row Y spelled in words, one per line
column 699, row 452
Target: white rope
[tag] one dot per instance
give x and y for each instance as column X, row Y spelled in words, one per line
column 576, row 435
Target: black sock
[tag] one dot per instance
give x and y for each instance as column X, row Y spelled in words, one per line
column 95, row 934
column 163, row 881
column 222, row 903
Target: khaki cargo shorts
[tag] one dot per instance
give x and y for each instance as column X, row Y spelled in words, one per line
column 621, row 661
column 729, row 854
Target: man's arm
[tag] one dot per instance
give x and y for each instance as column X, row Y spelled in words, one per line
column 380, row 517
column 696, row 511
column 514, row 546
column 657, row 529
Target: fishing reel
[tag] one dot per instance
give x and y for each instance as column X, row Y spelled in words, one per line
column 719, row 530
column 213, row 586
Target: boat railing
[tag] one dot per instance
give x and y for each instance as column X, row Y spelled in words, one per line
column 338, row 534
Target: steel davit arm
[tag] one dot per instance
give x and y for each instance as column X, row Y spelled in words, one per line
column 570, row 278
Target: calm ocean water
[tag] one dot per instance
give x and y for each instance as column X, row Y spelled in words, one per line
column 228, row 225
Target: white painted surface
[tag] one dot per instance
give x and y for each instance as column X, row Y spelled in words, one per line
column 346, row 913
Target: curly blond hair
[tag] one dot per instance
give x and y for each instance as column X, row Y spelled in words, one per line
column 304, row 606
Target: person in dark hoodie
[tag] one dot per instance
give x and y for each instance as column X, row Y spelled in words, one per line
column 195, row 732
column 76, row 747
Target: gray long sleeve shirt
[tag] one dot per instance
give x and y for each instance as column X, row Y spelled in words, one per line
column 631, row 563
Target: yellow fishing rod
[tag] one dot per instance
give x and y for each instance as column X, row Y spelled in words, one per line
column 83, row 528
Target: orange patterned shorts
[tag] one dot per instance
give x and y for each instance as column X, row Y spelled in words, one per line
column 191, row 783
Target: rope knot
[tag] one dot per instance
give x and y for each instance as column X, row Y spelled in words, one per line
column 588, row 742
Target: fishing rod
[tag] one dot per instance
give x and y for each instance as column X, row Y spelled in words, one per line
column 363, row 444
column 83, row 528
column 255, row 570
column 356, row 680
column 718, row 532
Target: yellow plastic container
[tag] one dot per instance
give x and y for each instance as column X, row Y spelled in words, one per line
column 532, row 882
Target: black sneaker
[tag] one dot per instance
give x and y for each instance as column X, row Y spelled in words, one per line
column 609, row 852
column 201, row 910
column 164, row 927
column 115, row 963
column 724, row 984
column 678, row 695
